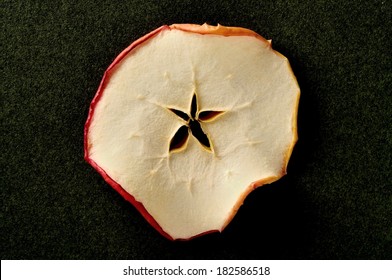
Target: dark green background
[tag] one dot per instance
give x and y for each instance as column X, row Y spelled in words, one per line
column 335, row 202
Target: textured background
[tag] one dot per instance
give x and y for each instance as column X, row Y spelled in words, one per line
column 335, row 202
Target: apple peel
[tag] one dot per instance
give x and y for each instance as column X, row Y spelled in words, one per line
column 188, row 120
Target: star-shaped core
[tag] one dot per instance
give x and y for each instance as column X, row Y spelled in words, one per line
column 192, row 126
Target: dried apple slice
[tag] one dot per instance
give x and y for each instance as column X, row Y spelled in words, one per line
column 188, row 120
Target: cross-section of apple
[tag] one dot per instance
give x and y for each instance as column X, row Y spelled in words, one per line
column 188, row 120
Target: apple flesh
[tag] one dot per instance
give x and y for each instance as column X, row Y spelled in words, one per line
column 188, row 120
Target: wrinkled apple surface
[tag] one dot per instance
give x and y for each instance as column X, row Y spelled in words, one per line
column 188, row 120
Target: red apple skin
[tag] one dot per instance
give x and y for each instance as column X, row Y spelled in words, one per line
column 201, row 29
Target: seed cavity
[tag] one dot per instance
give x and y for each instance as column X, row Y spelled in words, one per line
column 199, row 134
column 193, row 126
column 179, row 139
column 206, row 116
column 180, row 114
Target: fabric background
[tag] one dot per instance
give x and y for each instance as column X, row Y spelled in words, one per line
column 335, row 202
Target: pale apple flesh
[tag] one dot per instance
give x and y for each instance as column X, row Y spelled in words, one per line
column 146, row 96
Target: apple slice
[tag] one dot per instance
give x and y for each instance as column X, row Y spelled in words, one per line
column 188, row 120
